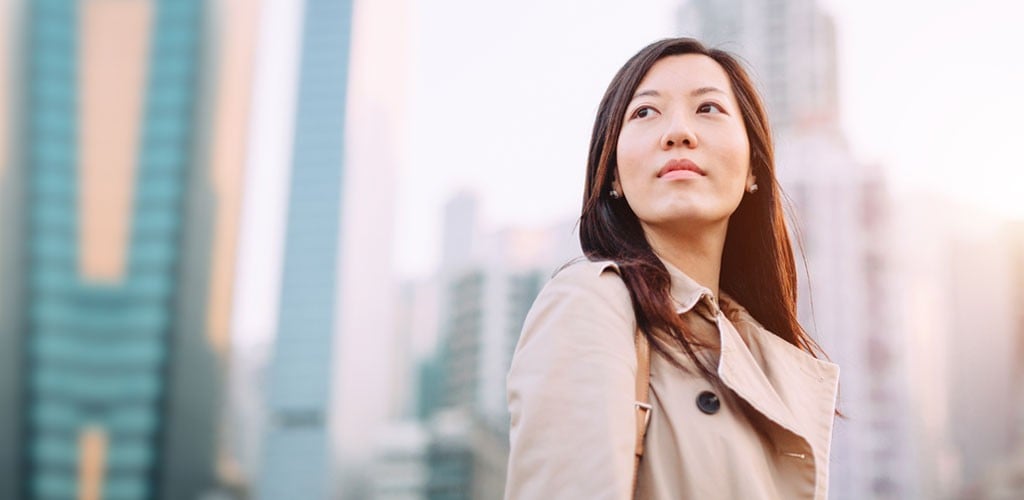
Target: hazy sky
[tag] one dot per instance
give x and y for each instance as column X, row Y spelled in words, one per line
column 932, row 89
column 502, row 97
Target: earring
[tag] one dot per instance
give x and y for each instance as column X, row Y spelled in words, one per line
column 614, row 194
column 752, row 189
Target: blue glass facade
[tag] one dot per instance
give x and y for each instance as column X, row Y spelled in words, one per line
column 102, row 355
column 295, row 463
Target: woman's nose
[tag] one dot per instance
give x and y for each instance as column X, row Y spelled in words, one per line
column 678, row 133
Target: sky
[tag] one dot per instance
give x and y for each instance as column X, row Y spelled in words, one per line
column 502, row 96
column 932, row 91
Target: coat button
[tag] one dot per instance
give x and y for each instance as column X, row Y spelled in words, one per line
column 708, row 402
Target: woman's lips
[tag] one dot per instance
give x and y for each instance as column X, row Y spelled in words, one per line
column 681, row 174
column 680, row 168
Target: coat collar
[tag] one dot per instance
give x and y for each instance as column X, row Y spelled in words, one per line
column 688, row 294
column 784, row 383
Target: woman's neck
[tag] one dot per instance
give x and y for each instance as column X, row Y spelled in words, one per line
column 696, row 253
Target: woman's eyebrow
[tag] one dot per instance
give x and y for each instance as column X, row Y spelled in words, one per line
column 705, row 90
column 696, row 92
column 644, row 93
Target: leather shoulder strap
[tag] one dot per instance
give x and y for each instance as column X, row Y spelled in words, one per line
column 642, row 405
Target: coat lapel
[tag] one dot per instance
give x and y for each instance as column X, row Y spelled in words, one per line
column 784, row 383
column 787, row 385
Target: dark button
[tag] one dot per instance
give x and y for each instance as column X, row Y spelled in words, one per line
column 708, row 402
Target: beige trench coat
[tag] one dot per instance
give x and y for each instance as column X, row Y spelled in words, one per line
column 571, row 393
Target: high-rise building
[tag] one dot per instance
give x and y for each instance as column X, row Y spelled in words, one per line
column 296, row 454
column 117, row 228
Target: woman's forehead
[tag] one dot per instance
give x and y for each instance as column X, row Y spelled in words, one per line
column 684, row 73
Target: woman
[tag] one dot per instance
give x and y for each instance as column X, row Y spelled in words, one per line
column 681, row 224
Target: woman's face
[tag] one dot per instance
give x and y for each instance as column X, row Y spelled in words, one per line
column 683, row 154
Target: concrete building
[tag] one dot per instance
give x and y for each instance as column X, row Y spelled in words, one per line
column 118, row 236
column 296, row 452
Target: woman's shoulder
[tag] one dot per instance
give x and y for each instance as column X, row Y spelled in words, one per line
column 587, row 284
column 601, row 276
column 584, row 308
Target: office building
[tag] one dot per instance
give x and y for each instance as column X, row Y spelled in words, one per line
column 296, row 454
column 117, row 228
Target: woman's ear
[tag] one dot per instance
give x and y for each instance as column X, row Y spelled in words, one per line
column 615, row 189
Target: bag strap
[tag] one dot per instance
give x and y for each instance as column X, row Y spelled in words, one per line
column 643, row 407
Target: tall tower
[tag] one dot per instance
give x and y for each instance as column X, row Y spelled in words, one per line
column 296, row 443
column 116, row 227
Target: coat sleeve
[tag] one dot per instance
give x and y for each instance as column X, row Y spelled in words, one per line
column 571, row 388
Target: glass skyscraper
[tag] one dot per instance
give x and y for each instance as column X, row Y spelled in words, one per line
column 114, row 378
column 296, row 454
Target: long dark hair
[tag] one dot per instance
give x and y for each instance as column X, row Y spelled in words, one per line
column 758, row 269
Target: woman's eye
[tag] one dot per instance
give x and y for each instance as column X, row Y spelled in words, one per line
column 643, row 112
column 710, row 107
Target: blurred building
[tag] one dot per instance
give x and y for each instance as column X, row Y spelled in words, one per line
column 1001, row 475
column 400, row 465
column 843, row 225
column 848, row 303
column 482, row 292
column 484, row 301
column 245, row 415
column 982, row 364
column 296, row 454
column 960, row 291
column 117, row 225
